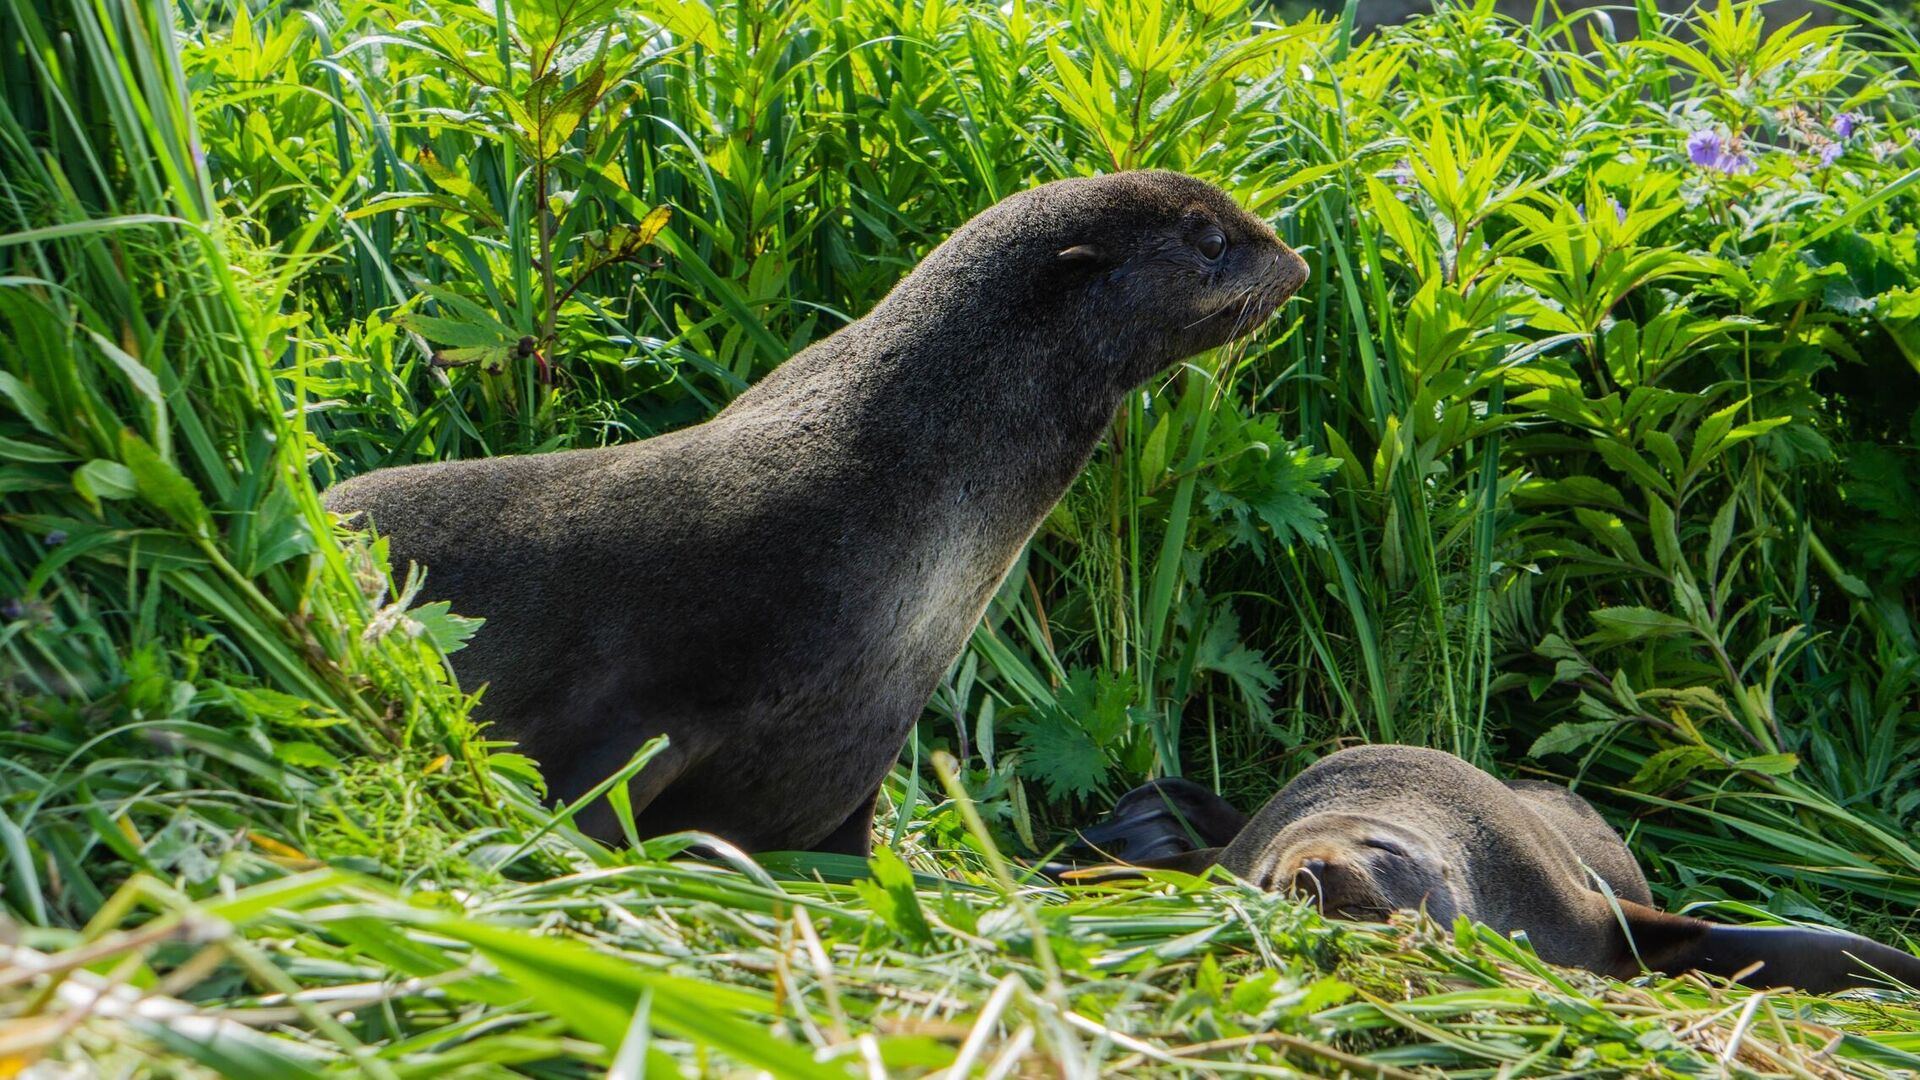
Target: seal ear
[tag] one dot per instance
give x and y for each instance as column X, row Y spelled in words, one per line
column 1084, row 256
column 1817, row 961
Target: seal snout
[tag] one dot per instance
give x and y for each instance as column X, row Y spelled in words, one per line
column 1289, row 272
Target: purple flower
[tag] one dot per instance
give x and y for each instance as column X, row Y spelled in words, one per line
column 1703, row 148
column 1845, row 124
column 1707, row 149
column 1829, row 154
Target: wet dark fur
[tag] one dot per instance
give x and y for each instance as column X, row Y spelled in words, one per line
column 1375, row 829
column 778, row 590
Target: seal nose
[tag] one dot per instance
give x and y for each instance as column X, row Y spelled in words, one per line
column 1290, row 270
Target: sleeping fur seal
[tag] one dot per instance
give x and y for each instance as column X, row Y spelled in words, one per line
column 1376, row 829
column 780, row 589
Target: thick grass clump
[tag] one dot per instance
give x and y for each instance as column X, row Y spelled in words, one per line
column 1588, row 452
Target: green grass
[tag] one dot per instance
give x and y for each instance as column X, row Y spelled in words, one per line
column 1626, row 496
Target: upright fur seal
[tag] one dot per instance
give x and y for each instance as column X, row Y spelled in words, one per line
column 780, row 589
column 1375, row 829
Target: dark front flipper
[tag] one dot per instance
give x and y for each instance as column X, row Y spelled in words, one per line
column 1164, row 818
column 586, row 770
column 1817, row 961
column 853, row 836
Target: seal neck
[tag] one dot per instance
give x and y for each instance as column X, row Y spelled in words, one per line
column 956, row 422
column 1018, row 414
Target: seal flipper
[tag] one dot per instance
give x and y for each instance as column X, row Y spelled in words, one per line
column 853, row 836
column 1164, row 818
column 1816, row 961
column 1193, row 862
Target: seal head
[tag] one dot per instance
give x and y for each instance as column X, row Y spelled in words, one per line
column 1359, row 866
column 1128, row 272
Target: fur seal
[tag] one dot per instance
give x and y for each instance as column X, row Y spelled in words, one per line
column 780, row 589
column 1375, row 829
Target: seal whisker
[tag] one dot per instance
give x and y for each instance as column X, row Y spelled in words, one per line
column 1242, row 296
column 1236, row 343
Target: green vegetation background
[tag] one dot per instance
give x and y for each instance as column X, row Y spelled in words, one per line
column 1589, row 452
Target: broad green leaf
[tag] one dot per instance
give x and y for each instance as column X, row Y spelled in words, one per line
column 454, row 183
column 891, row 893
column 688, row 20
column 161, row 485
column 566, row 114
column 1666, row 537
column 457, row 332
column 1621, row 457
column 1222, row 651
column 27, row 402
column 1059, row 754
column 102, row 479
column 306, row 755
column 1569, row 736
column 650, row 226
column 138, row 376
column 1621, row 624
column 1675, row 765
column 1613, row 534
column 490, row 358
column 446, row 631
column 1666, row 450
column 1770, row 764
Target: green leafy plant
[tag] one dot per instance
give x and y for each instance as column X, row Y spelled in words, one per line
column 1586, row 452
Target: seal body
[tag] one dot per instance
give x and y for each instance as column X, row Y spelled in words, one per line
column 1376, row 829
column 779, row 590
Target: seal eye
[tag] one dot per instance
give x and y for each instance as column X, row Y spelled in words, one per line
column 1212, row 244
column 1387, row 846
